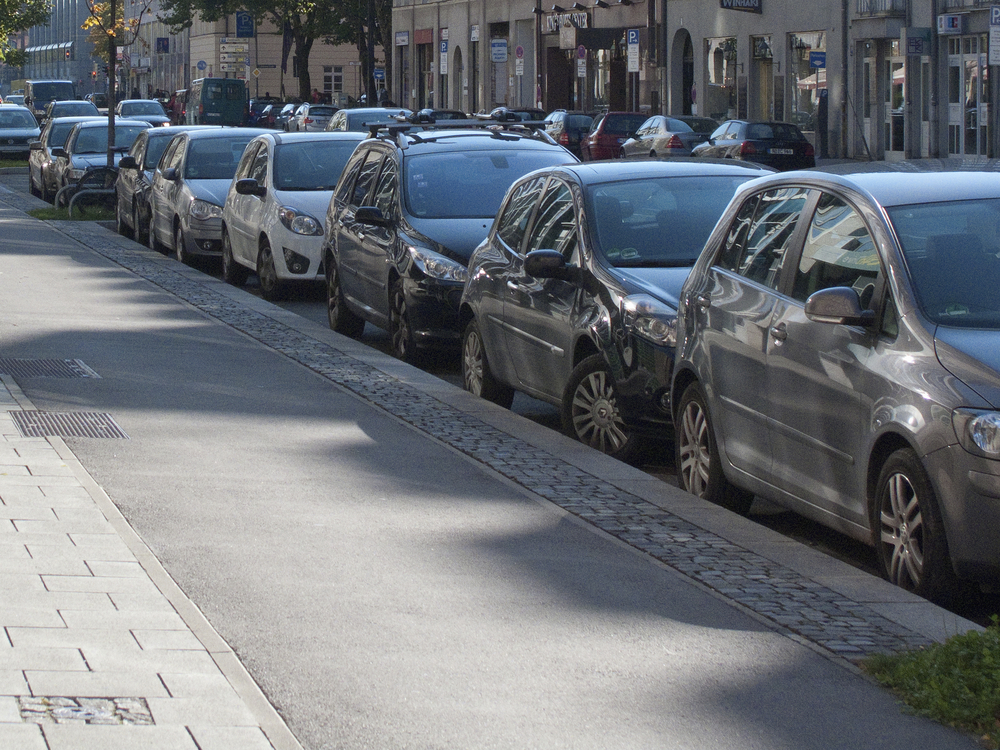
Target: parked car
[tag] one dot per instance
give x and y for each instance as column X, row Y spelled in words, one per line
column 661, row 135
column 268, row 116
column 310, row 118
column 18, row 128
column 284, row 114
column 87, row 146
column 780, row 145
column 149, row 110
column 361, row 118
column 69, row 108
column 14, row 99
column 698, row 124
column 572, row 298
column 524, row 114
column 607, row 134
column 216, row 101
column 840, row 359
column 440, row 114
column 188, row 189
column 272, row 220
column 99, row 100
column 42, row 179
column 405, row 217
column 568, row 127
column 257, row 107
column 135, row 176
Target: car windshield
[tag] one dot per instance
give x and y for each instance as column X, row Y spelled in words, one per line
column 678, row 126
column 46, row 92
column 773, row 131
column 313, row 165
column 951, row 250
column 59, row 133
column 214, row 158
column 469, row 184
column 94, row 140
column 616, row 124
column 71, row 109
column 142, row 108
column 658, row 221
column 17, row 119
column 701, row 124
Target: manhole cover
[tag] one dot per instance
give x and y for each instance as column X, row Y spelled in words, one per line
column 66, row 424
column 46, row 368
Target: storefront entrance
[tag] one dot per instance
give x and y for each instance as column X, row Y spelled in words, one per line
column 968, row 96
column 894, row 122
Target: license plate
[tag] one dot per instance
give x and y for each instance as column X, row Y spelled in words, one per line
column 781, row 151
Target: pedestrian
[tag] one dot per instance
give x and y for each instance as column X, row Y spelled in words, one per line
column 315, row 96
column 383, row 97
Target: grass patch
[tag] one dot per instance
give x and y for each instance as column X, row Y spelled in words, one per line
column 956, row 682
column 13, row 163
column 80, row 213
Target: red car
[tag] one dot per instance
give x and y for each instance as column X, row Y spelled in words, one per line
column 608, row 133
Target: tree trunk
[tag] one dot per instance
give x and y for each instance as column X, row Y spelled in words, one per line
column 303, row 47
column 112, row 79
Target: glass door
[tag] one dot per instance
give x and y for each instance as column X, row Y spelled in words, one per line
column 895, row 110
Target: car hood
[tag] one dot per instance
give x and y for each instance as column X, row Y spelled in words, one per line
column 662, row 283
column 972, row 356
column 151, row 119
column 213, row 191
column 85, row 161
column 312, row 202
column 457, row 237
column 19, row 133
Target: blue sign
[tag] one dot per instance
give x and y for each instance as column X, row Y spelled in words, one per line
column 633, row 36
column 202, row 65
column 498, row 50
column 378, row 74
column 995, row 15
column 817, row 59
column 444, row 46
column 244, row 24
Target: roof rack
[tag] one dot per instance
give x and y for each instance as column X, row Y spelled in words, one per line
column 417, row 126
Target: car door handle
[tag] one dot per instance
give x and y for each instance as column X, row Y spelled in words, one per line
column 779, row 332
column 703, row 301
column 513, row 286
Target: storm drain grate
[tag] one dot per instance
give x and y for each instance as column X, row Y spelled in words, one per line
column 46, row 368
column 60, row 710
column 66, row 424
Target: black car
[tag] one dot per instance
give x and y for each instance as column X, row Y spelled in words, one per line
column 572, row 298
column 780, row 145
column 410, row 207
column 568, row 127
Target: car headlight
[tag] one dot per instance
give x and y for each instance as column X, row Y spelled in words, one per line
column 299, row 222
column 978, row 431
column 76, row 174
column 202, row 210
column 651, row 319
column 437, row 266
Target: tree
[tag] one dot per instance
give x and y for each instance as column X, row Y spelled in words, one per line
column 353, row 29
column 16, row 16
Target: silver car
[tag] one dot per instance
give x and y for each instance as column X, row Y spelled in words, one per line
column 189, row 189
column 310, row 118
column 18, row 128
column 87, row 146
column 839, row 354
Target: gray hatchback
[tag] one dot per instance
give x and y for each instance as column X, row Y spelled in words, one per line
column 839, row 354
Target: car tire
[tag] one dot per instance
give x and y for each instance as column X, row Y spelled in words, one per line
column 232, row 272
column 477, row 377
column 403, row 345
column 138, row 229
column 590, row 411
column 180, row 247
column 622, row 154
column 699, row 466
column 271, row 287
column 909, row 532
column 121, row 226
column 341, row 319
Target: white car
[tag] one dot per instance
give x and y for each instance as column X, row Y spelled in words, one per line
column 272, row 221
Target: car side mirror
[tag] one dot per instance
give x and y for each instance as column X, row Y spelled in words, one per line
column 35, row 146
column 127, row 162
column 250, row 186
column 60, row 151
column 170, row 173
column 547, row 264
column 839, row 305
column 372, row 216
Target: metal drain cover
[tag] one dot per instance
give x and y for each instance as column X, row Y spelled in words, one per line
column 66, row 424
column 46, row 368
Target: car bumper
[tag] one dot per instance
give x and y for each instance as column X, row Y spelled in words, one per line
column 968, row 489
column 204, row 237
column 297, row 257
column 433, row 309
column 642, row 372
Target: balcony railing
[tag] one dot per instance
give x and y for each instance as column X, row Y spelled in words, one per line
column 881, row 7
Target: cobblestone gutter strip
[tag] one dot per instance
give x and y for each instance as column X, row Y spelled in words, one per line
column 771, row 590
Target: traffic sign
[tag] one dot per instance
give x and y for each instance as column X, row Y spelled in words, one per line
column 498, row 50
column 234, row 48
column 202, row 65
column 378, row 74
column 633, row 50
column 519, row 52
column 244, row 24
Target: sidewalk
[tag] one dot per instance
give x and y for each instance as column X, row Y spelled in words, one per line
column 101, row 649
column 505, row 571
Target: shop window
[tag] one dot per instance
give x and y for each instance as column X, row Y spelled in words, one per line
column 806, row 81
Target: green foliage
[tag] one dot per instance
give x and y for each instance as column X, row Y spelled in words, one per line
column 80, row 213
column 956, row 682
column 19, row 15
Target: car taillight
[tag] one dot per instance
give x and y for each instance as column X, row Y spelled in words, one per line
column 564, row 139
column 307, row 120
column 810, row 151
column 675, row 142
column 747, row 148
column 201, row 109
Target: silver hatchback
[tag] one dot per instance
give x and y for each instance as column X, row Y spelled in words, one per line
column 839, row 354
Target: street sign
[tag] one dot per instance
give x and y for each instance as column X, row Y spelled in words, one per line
column 581, row 53
column 498, row 50
column 202, row 65
column 633, row 50
column 581, row 68
column 229, row 67
column 244, row 24
column 519, row 52
column 378, row 74
column 817, row 59
column 234, row 48
column 256, row 73
column 519, row 66
column 994, row 49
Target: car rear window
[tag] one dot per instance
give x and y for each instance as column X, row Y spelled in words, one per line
column 321, row 111
column 773, row 131
column 579, row 122
column 615, row 124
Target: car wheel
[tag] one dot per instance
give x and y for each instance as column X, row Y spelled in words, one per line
column 652, row 154
column 699, row 467
column 911, row 541
column 590, row 411
column 341, row 319
column 271, row 287
column 138, row 229
column 180, row 248
column 232, row 272
column 121, row 225
column 477, row 377
column 622, row 154
column 403, row 346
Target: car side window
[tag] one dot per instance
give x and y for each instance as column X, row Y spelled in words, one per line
column 385, row 191
column 365, row 178
column 838, row 251
column 516, row 214
column 243, row 168
column 758, row 257
column 175, row 156
column 168, row 155
column 258, row 169
column 720, row 131
column 554, row 227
